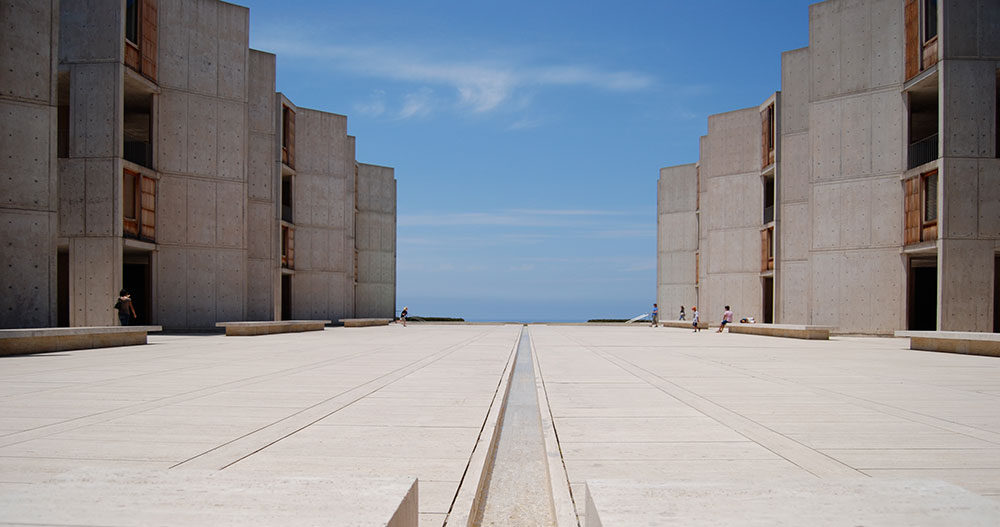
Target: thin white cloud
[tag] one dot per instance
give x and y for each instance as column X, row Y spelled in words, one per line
column 417, row 104
column 374, row 106
column 481, row 85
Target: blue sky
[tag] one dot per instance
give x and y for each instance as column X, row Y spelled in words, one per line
column 527, row 136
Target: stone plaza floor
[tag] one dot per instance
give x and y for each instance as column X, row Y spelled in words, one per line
column 626, row 402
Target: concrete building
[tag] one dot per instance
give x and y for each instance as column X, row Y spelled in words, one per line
column 865, row 194
column 159, row 158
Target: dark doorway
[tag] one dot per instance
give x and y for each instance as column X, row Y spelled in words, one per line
column 62, row 288
column 136, row 280
column 768, row 315
column 996, row 295
column 922, row 297
column 286, row 297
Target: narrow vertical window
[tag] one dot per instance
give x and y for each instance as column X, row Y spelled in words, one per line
column 930, row 19
column 930, row 197
column 132, row 21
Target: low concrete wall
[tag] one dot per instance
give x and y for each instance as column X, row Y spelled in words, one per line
column 267, row 327
column 365, row 322
column 685, row 324
column 44, row 340
column 965, row 342
column 783, row 330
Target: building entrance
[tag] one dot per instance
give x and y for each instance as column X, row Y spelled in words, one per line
column 922, row 295
column 286, row 297
column 768, row 315
column 136, row 280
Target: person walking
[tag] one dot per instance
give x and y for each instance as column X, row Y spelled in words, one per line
column 694, row 318
column 727, row 318
column 124, row 306
column 402, row 315
column 682, row 313
column 654, row 316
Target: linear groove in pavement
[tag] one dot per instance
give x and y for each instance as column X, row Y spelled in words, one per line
column 518, row 491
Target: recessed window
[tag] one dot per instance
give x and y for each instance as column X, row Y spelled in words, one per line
column 930, row 19
column 930, row 192
column 132, row 21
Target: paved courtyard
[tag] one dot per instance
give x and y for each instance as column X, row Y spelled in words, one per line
column 626, row 403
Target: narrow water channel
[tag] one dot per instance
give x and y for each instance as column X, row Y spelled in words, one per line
column 518, row 492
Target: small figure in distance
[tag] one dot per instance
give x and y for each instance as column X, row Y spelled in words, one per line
column 402, row 315
column 682, row 313
column 727, row 318
column 694, row 319
column 124, row 307
column 654, row 315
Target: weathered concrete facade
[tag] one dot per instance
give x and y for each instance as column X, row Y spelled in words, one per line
column 172, row 160
column 886, row 182
column 28, row 182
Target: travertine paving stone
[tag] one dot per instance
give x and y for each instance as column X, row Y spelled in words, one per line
column 668, row 405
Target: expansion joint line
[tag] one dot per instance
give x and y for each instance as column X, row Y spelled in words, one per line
column 806, row 458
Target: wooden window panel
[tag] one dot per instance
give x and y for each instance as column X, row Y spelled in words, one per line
column 130, row 207
column 149, row 38
column 291, row 138
column 148, row 209
column 767, row 249
column 287, row 247
column 911, row 18
column 911, row 211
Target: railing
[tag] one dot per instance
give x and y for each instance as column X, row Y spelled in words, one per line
column 922, row 151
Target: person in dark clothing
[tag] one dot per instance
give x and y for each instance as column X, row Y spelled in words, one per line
column 126, row 311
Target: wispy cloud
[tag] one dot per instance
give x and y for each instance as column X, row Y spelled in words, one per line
column 481, row 85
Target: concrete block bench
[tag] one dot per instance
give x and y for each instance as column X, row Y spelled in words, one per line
column 966, row 342
column 782, row 330
column 104, row 496
column 43, row 340
column 365, row 322
column 270, row 327
column 912, row 502
column 685, row 324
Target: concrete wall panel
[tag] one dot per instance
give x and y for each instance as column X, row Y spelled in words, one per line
column 826, row 128
column 172, row 215
column 887, row 37
column 172, row 132
column 970, row 29
column 102, row 180
column 260, row 222
column 72, row 196
column 202, row 266
column 965, row 271
column 203, row 135
column 855, row 46
column 26, row 163
column 959, row 182
column 95, row 278
column 887, row 132
column 172, row 290
column 794, row 234
column 262, row 175
column 260, row 291
column 28, row 41
column 855, row 214
column 232, row 137
column 234, row 34
column 28, row 276
column 90, row 30
column 989, row 198
column 886, row 212
column 795, row 91
column 173, row 33
column 96, row 110
column 230, row 285
column 969, row 108
column 203, row 46
column 678, row 232
column 856, row 136
column 260, row 92
column 793, row 307
column 795, row 168
column 824, row 43
column 201, row 206
column 230, row 218
column 826, row 209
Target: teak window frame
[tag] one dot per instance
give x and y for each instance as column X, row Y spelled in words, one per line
column 141, row 54
column 142, row 224
column 767, row 139
column 918, row 227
